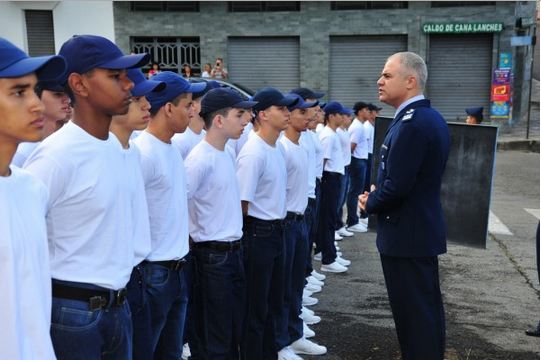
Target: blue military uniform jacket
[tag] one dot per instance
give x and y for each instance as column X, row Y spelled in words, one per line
column 407, row 197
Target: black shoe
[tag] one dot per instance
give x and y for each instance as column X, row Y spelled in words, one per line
column 533, row 331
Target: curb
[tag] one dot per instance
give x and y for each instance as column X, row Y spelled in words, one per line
column 522, row 145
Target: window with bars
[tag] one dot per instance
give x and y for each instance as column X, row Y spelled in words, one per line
column 179, row 6
column 170, row 53
column 368, row 5
column 261, row 6
column 40, row 32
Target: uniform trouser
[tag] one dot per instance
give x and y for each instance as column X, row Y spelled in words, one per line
column 219, row 303
column 344, row 186
column 190, row 335
column 296, row 245
column 140, row 313
column 357, row 171
column 263, row 246
column 414, row 293
column 167, row 291
column 310, row 218
column 80, row 333
column 367, row 180
column 330, row 187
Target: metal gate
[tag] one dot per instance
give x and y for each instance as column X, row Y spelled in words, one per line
column 169, row 52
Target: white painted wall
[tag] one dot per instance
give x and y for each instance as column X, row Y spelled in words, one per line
column 69, row 17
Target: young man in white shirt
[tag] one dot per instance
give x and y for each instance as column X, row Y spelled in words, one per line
column 25, row 314
column 342, row 132
column 359, row 163
column 91, row 246
column 262, row 177
column 216, row 228
column 333, row 170
column 195, row 132
column 122, row 127
column 290, row 332
column 165, row 187
column 369, row 127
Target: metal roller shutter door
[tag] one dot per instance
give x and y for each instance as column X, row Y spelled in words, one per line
column 263, row 61
column 40, row 32
column 459, row 74
column 355, row 66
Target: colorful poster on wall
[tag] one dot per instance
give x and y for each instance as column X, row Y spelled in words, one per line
column 505, row 60
column 500, row 94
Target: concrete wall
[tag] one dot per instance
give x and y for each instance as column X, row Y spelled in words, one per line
column 69, row 18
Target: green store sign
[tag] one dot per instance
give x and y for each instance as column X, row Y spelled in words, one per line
column 461, row 28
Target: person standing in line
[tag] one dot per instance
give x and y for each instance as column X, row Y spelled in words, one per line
column 369, row 129
column 216, row 228
column 165, row 187
column 333, row 170
column 342, row 132
column 262, row 177
column 122, row 127
column 24, row 260
column 92, row 253
column 411, row 225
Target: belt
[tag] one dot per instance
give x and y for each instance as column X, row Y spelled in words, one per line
column 97, row 299
column 278, row 223
column 170, row 264
column 218, row 245
column 293, row 216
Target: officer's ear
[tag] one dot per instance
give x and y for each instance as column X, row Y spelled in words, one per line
column 411, row 82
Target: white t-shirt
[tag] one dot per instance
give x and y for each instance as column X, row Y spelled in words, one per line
column 369, row 130
column 346, row 145
column 213, row 194
column 319, row 154
column 23, row 152
column 165, row 186
column 296, row 158
column 262, row 177
column 25, row 314
column 357, row 135
column 332, row 151
column 139, row 209
column 89, row 236
column 319, row 127
column 186, row 141
column 307, row 142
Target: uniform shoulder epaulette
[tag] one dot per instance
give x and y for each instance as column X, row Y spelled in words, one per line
column 408, row 115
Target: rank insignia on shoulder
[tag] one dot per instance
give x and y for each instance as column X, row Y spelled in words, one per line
column 408, row 115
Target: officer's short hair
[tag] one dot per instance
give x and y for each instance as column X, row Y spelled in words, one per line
column 415, row 63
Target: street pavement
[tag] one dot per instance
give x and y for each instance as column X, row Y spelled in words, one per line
column 490, row 295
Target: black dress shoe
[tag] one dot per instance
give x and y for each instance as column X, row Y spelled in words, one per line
column 533, row 331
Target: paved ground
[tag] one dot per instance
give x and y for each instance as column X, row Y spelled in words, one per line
column 491, row 296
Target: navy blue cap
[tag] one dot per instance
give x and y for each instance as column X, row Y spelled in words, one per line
column 142, row 86
column 209, row 85
column 301, row 104
column 359, row 105
column 16, row 63
column 476, row 112
column 346, row 111
column 221, row 98
column 175, row 86
column 306, row 93
column 373, row 107
column 322, row 105
column 333, row 107
column 269, row 96
column 56, row 85
column 86, row 52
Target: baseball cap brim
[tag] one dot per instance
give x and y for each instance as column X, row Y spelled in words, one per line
column 195, row 87
column 126, row 62
column 147, row 86
column 46, row 67
column 288, row 101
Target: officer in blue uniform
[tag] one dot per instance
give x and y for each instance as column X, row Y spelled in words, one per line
column 475, row 115
column 411, row 228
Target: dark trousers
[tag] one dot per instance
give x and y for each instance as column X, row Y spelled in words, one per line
column 344, row 186
column 140, row 313
column 167, row 291
column 263, row 246
column 219, row 303
column 310, row 219
column 190, row 334
column 296, row 245
column 330, row 188
column 414, row 293
column 357, row 171
column 368, row 174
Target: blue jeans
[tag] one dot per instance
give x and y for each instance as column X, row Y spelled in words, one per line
column 344, row 185
column 140, row 313
column 263, row 246
column 357, row 171
column 296, row 245
column 167, row 292
column 79, row 333
column 310, row 219
column 330, row 187
column 219, row 299
column 190, row 335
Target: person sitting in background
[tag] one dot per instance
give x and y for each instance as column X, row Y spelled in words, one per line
column 475, row 115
